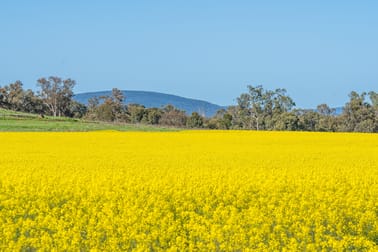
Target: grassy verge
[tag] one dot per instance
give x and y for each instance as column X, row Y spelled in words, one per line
column 15, row 121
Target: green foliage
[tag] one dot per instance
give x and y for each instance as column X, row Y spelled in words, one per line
column 104, row 112
column 56, row 94
column 15, row 98
column 77, row 110
column 152, row 116
column 359, row 115
column 260, row 109
column 136, row 112
column 173, row 117
column 195, row 121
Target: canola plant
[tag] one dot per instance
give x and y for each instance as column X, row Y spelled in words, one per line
column 188, row 191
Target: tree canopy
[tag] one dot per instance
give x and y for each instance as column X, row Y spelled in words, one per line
column 256, row 109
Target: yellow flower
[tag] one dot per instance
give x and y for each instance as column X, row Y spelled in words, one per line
column 189, row 190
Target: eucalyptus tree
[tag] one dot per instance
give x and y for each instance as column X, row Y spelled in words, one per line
column 262, row 109
column 358, row 115
column 56, row 94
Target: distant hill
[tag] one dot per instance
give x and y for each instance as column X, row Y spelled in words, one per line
column 158, row 100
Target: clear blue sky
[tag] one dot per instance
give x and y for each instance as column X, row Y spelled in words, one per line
column 318, row 50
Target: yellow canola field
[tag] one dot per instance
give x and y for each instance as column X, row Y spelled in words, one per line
column 188, row 191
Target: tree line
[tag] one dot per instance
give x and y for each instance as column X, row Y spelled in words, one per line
column 257, row 109
column 54, row 97
column 262, row 109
